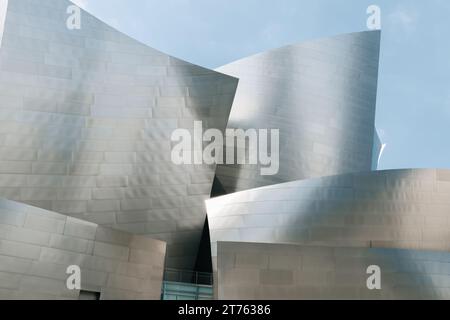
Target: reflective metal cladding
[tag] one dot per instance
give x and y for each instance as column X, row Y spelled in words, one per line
column 275, row 271
column 321, row 95
column 407, row 209
column 86, row 118
column 86, row 122
column 333, row 221
column 316, row 238
column 37, row 247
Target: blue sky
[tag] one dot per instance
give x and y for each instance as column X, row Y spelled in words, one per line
column 413, row 111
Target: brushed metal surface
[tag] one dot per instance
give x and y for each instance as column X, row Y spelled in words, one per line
column 321, row 95
column 255, row 271
column 86, row 118
column 37, row 246
column 407, row 209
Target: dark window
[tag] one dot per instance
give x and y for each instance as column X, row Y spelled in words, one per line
column 89, row 295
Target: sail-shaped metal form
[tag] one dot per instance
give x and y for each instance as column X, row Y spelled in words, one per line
column 86, row 117
column 321, row 95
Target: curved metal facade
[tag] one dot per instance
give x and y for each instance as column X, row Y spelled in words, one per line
column 37, row 246
column 272, row 271
column 315, row 239
column 407, row 209
column 321, row 95
column 86, row 118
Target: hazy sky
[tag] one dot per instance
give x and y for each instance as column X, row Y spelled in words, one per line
column 413, row 111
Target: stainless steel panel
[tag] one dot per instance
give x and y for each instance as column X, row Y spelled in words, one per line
column 33, row 263
column 321, row 95
column 334, row 273
column 87, row 120
column 394, row 208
